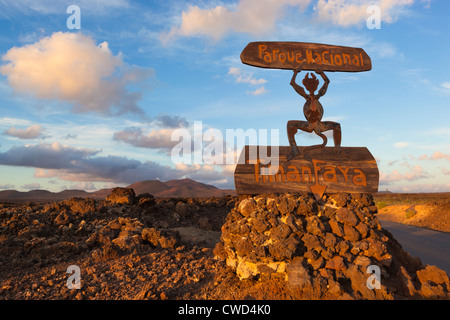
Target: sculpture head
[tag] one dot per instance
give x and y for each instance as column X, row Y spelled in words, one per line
column 310, row 83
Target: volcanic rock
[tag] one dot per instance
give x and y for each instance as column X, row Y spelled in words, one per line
column 282, row 246
column 122, row 196
column 324, row 248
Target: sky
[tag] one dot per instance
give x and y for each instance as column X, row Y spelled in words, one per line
column 91, row 98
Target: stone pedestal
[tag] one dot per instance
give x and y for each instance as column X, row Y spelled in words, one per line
column 327, row 246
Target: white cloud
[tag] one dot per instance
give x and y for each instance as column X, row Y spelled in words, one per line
column 84, row 165
column 83, row 185
column 70, row 67
column 44, row 155
column 242, row 77
column 31, row 132
column 401, row 144
column 258, row 91
column 427, row 3
column 256, row 17
column 31, row 186
column 171, row 121
column 415, row 172
column 14, row 121
column 208, row 174
column 354, row 12
column 7, row 186
column 109, row 169
column 445, row 87
column 260, row 17
column 437, row 155
column 423, row 187
column 30, row 7
column 248, row 78
column 72, row 164
column 383, row 50
column 155, row 139
column 334, row 118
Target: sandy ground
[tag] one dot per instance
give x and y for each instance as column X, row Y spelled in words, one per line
column 424, row 210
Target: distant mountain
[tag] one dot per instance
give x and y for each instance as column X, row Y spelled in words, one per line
column 42, row 195
column 149, row 186
column 179, row 188
column 184, row 188
column 100, row 194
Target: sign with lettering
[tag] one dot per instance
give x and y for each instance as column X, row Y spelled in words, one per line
column 311, row 56
column 353, row 169
column 317, row 168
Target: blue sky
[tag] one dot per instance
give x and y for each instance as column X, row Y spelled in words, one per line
column 96, row 107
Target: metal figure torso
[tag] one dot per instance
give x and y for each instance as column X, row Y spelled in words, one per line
column 313, row 112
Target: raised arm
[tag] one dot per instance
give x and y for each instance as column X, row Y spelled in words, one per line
column 297, row 88
column 324, row 88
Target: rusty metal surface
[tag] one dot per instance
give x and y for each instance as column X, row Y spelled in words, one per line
column 313, row 112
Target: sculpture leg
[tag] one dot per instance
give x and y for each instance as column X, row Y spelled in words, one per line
column 291, row 131
column 316, row 146
column 292, row 127
column 337, row 134
column 324, row 143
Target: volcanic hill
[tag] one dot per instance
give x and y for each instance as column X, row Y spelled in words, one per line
column 157, row 188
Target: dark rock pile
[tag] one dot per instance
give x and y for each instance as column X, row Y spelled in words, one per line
column 327, row 250
column 54, row 231
column 127, row 246
column 140, row 247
